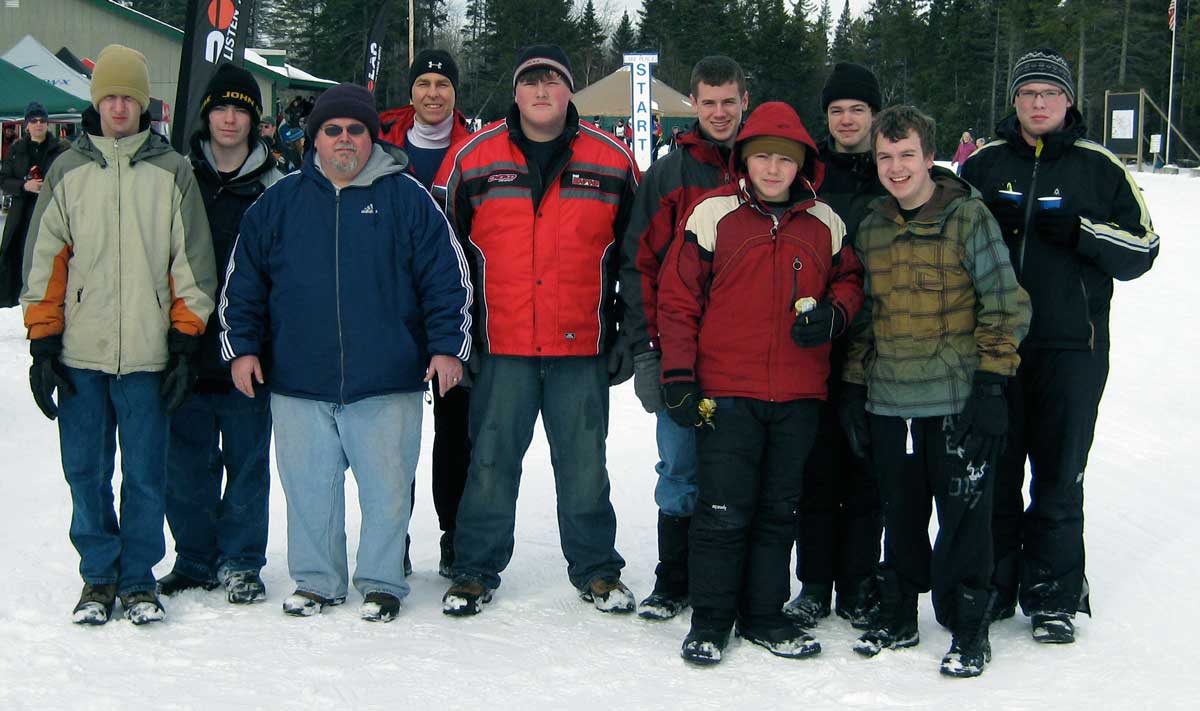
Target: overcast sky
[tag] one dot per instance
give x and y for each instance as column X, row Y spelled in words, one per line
column 856, row 7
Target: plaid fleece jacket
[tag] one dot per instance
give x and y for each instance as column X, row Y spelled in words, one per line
column 943, row 302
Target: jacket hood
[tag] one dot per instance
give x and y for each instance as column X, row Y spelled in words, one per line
column 775, row 118
column 379, row 164
column 259, row 161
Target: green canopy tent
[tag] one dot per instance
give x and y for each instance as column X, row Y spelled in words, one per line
column 18, row 87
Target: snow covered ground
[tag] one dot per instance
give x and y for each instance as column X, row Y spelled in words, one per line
column 538, row 646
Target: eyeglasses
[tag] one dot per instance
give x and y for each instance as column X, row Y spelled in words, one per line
column 36, row 120
column 333, row 130
column 1046, row 94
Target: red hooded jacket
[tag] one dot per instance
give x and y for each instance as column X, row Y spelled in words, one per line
column 727, row 288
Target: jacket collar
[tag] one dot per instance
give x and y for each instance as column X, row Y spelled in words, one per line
column 948, row 190
column 1054, row 144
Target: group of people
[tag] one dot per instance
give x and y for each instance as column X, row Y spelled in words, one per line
column 833, row 336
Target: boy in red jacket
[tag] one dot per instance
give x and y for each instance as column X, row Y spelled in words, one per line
column 750, row 295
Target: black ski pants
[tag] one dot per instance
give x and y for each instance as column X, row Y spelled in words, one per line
column 841, row 517
column 1053, row 403
column 917, row 468
column 451, row 452
column 750, row 476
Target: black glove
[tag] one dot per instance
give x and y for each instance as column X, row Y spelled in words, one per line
column 48, row 373
column 620, row 361
column 180, row 374
column 1057, row 227
column 852, row 412
column 821, row 325
column 1010, row 216
column 647, row 374
column 983, row 425
column 682, row 399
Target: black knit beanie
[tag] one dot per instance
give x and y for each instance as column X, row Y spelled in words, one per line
column 851, row 81
column 232, row 86
column 544, row 56
column 433, row 61
column 344, row 101
column 1045, row 66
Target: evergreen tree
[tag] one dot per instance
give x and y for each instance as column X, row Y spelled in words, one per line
column 839, row 51
column 623, row 40
column 588, row 54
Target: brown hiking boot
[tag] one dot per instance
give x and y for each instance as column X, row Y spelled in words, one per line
column 609, row 594
column 465, row 598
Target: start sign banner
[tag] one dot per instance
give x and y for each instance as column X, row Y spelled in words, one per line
column 641, row 121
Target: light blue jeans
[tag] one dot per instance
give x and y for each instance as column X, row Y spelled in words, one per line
column 379, row 439
column 676, row 490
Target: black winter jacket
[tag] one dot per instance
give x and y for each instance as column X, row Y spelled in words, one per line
column 25, row 155
column 1070, row 289
column 225, row 202
column 851, row 183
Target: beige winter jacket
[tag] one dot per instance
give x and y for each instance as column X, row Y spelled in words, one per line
column 118, row 253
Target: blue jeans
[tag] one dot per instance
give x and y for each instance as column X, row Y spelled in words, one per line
column 111, row 550
column 379, row 438
column 571, row 393
column 676, row 490
column 216, row 534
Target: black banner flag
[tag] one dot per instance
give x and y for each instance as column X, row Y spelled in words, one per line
column 375, row 45
column 215, row 33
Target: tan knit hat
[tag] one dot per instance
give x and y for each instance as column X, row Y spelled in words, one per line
column 773, row 144
column 121, row 71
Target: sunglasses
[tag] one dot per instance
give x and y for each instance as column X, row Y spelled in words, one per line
column 36, row 120
column 333, row 130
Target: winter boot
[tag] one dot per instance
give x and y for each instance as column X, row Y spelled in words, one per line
column 379, row 607
column 243, row 587
column 303, row 603
column 786, row 639
column 704, row 644
column 670, row 595
column 176, row 582
column 465, row 597
column 142, row 607
column 446, row 561
column 95, row 604
column 1053, row 628
column 609, row 594
column 859, row 603
column 970, row 649
column 896, row 625
column 812, row 604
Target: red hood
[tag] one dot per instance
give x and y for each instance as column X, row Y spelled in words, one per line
column 394, row 124
column 775, row 118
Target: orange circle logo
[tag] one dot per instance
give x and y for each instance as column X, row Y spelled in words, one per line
column 220, row 13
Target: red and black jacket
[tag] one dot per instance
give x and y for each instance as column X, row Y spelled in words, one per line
column 394, row 125
column 545, row 273
column 668, row 189
column 727, row 288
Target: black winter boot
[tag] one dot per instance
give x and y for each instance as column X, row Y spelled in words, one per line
column 896, row 625
column 859, row 602
column 970, row 650
column 812, row 604
column 670, row 595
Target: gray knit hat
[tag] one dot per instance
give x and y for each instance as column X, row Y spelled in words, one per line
column 1042, row 65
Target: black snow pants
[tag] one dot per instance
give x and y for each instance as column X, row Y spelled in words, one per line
column 1053, row 403
column 451, row 452
column 841, row 518
column 750, row 476
column 917, row 468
